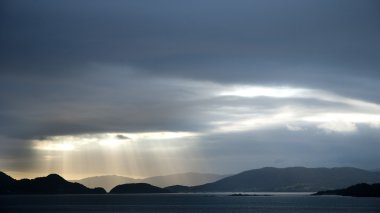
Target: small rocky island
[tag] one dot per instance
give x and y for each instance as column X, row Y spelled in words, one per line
column 358, row 190
column 133, row 188
column 245, row 195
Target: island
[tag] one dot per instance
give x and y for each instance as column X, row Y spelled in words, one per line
column 134, row 188
column 358, row 190
column 51, row 184
column 245, row 195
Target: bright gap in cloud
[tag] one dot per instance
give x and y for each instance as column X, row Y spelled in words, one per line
column 257, row 91
column 338, row 127
column 106, row 140
column 53, row 146
column 342, row 114
column 343, row 122
column 131, row 154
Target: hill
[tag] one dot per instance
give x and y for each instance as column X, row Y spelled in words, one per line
column 51, row 184
column 6, row 183
column 178, row 188
column 269, row 179
column 358, row 190
column 293, row 179
column 133, row 188
column 187, row 179
column 107, row 181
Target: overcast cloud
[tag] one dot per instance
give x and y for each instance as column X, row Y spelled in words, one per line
column 223, row 86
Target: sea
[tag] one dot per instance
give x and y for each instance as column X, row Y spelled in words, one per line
column 197, row 202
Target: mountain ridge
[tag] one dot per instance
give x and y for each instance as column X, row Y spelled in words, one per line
column 51, row 184
column 189, row 179
column 294, row 179
column 358, row 190
column 269, row 179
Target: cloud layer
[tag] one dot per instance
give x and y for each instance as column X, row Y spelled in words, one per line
column 271, row 82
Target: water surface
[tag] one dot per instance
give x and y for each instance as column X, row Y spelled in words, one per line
column 207, row 202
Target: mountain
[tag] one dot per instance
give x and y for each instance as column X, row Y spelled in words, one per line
column 185, row 179
column 5, row 179
column 137, row 188
column 107, row 182
column 269, row 179
column 293, row 179
column 6, row 183
column 188, row 179
column 51, row 184
column 178, row 188
column 358, row 190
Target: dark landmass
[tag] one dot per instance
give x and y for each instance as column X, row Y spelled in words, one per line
column 358, row 190
column 178, row 188
column 6, row 179
column 51, row 184
column 269, row 179
column 133, row 188
column 245, row 195
column 186, row 179
column 293, row 179
column 6, row 183
column 107, row 181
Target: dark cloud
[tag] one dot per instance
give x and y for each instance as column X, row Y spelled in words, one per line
column 312, row 43
column 109, row 101
column 122, row 137
column 16, row 155
column 79, row 67
column 310, row 147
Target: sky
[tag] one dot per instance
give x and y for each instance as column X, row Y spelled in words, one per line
column 145, row 88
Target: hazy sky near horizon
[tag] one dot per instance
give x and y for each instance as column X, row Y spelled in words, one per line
column 144, row 88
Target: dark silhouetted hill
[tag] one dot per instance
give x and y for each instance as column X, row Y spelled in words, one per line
column 133, row 188
column 178, row 188
column 107, row 181
column 187, row 179
column 358, row 190
column 5, row 179
column 6, row 182
column 51, row 184
column 293, row 179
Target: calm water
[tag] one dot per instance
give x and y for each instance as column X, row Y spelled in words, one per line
column 186, row 203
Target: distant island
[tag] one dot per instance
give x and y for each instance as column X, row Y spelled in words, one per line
column 245, row 195
column 268, row 179
column 135, row 188
column 358, row 190
column 185, row 179
column 179, row 188
column 292, row 179
column 51, row 184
